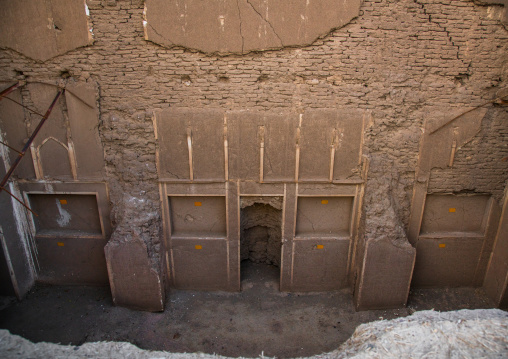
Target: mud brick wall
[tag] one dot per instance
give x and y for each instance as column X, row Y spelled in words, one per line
column 395, row 59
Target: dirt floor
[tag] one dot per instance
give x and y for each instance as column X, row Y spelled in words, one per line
column 259, row 320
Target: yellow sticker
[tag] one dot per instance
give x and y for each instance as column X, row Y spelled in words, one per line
column 442, row 245
column 197, row 246
column 451, row 210
column 325, row 201
column 197, row 204
column 63, row 201
column 320, row 246
column 60, row 244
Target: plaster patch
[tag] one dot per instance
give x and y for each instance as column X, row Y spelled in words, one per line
column 64, row 216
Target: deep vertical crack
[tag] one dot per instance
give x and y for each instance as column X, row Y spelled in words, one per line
column 240, row 18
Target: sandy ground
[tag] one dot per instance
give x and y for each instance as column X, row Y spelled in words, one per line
column 259, row 320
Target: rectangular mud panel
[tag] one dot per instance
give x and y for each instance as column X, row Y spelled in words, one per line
column 200, row 264
column 320, row 264
column 69, row 239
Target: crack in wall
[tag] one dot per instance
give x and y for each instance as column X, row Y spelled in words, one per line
column 268, row 22
column 442, row 27
column 256, row 31
column 308, row 219
column 159, row 34
column 173, row 174
column 269, row 162
column 240, row 19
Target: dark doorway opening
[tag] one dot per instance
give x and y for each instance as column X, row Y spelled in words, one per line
column 260, row 238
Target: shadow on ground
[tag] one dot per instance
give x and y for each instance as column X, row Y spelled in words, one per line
column 260, row 318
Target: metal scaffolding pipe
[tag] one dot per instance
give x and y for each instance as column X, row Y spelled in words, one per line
column 30, row 140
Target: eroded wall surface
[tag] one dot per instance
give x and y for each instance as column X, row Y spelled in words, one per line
column 401, row 61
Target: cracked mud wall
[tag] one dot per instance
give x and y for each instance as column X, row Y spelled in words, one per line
column 243, row 26
column 395, row 59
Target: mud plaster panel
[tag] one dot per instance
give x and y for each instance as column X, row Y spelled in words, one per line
column 307, row 189
column 66, row 213
column 496, row 278
column 279, row 153
column 72, row 190
column 385, row 277
column 324, row 216
column 84, row 121
column 133, row 282
column 69, row 239
column 207, row 143
column 14, row 132
column 320, row 264
column 320, row 130
column 493, row 223
column 245, row 25
column 437, row 151
column 451, row 213
column 195, row 188
column 244, row 136
column 288, row 233
column 71, row 230
column 69, row 136
column 253, row 188
column 55, row 160
column 234, row 232
column 200, row 264
column 198, row 216
column 446, row 262
column 43, row 29
column 55, row 127
column 71, row 260
column 456, row 240
column 244, row 143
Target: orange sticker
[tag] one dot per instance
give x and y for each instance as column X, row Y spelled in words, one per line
column 197, row 204
column 451, row 210
column 60, row 244
column 197, row 246
column 63, row 201
column 320, row 246
column 442, row 245
column 325, row 201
